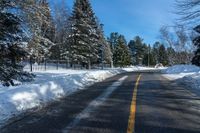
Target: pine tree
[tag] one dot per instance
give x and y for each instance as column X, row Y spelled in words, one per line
column 131, row 46
column 155, row 51
column 83, row 37
column 113, row 40
column 105, row 54
column 48, row 26
column 163, row 58
column 149, row 58
column 121, row 53
column 11, row 45
column 47, row 29
column 137, row 50
column 41, row 27
column 196, row 41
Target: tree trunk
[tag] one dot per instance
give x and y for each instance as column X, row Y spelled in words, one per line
column 89, row 64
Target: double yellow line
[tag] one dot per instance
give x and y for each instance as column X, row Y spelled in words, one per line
column 131, row 121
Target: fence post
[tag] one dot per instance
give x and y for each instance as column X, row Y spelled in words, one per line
column 45, row 65
column 31, row 65
column 57, row 64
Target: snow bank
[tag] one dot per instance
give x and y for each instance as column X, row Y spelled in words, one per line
column 139, row 68
column 182, row 69
column 186, row 74
column 192, row 80
column 48, row 86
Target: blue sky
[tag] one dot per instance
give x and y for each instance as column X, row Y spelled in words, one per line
column 133, row 17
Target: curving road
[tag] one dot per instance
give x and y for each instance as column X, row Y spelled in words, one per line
column 125, row 103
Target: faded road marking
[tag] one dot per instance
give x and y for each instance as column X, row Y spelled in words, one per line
column 94, row 104
column 131, row 121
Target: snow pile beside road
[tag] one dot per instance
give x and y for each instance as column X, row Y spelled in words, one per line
column 49, row 86
column 185, row 74
column 193, row 80
column 140, row 68
column 182, row 69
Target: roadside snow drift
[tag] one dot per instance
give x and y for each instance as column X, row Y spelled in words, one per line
column 48, row 86
column 186, row 74
column 182, row 69
column 193, row 80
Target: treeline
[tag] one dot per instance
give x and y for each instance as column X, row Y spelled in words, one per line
column 137, row 52
column 76, row 37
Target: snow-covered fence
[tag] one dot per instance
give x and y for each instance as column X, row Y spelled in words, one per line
column 57, row 65
column 46, row 65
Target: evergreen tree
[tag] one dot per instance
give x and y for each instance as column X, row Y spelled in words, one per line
column 196, row 41
column 47, row 29
column 131, row 46
column 155, row 51
column 83, row 34
column 113, row 40
column 41, row 27
column 163, row 58
column 137, row 50
column 11, row 45
column 149, row 58
column 121, row 53
column 105, row 54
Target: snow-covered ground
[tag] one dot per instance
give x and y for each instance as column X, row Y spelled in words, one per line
column 49, row 86
column 186, row 74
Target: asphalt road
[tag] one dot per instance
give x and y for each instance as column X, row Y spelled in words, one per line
column 161, row 106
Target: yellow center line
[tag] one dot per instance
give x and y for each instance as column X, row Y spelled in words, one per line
column 131, row 121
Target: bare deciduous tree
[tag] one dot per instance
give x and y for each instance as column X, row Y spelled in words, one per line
column 189, row 10
column 62, row 24
column 166, row 36
column 184, row 44
column 179, row 43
